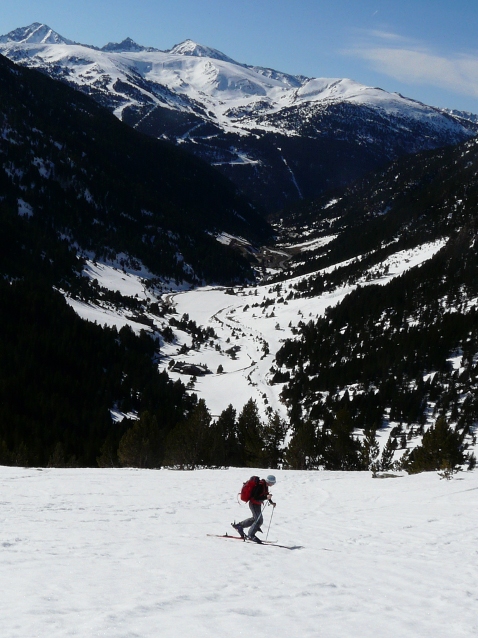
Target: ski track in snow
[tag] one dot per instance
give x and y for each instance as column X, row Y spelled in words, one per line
column 125, row 553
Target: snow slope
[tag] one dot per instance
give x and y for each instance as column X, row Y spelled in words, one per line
column 125, row 554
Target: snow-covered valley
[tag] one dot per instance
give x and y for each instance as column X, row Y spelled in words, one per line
column 250, row 324
column 125, row 553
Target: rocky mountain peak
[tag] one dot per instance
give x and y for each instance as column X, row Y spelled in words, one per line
column 191, row 48
column 36, row 33
column 126, row 46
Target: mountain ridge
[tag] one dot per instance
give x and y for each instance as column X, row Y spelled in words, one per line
column 279, row 137
column 36, row 33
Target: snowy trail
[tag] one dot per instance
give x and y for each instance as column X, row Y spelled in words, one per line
column 245, row 374
column 124, row 553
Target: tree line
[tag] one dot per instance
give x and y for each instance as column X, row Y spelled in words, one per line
column 245, row 440
column 197, row 440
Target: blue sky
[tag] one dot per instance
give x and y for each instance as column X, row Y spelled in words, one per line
column 424, row 49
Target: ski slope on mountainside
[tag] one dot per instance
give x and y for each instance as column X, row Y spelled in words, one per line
column 125, row 553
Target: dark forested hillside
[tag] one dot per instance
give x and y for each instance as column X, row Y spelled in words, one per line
column 60, row 376
column 73, row 169
column 74, row 179
column 402, row 354
column 426, row 197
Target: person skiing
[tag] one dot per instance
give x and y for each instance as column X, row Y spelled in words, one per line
column 260, row 494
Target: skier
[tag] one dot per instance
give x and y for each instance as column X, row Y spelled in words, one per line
column 259, row 495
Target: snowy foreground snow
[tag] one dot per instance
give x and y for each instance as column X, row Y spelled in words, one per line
column 125, row 554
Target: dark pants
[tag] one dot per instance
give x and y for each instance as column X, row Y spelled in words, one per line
column 256, row 519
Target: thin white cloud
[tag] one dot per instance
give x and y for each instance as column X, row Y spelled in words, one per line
column 411, row 62
column 380, row 34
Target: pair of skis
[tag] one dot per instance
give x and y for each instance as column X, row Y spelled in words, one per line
column 240, row 538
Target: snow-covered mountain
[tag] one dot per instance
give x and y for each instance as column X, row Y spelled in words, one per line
column 36, row 33
column 238, row 96
column 126, row 46
column 189, row 47
column 279, row 136
column 125, row 227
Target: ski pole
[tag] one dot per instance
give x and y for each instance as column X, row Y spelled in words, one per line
column 267, row 536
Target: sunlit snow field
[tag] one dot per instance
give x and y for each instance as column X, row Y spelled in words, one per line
column 125, row 554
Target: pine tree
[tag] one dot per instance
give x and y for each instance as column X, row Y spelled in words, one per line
column 369, row 450
column 188, row 445
column 141, row 445
column 250, row 430
column 274, row 433
column 228, row 429
column 386, row 460
column 441, row 449
column 5, row 454
column 341, row 448
column 301, row 453
column 108, row 456
column 57, row 458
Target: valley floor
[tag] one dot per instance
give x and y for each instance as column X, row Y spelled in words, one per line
column 257, row 320
column 125, row 554
column 250, row 325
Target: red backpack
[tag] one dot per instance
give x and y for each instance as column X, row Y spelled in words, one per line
column 248, row 488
